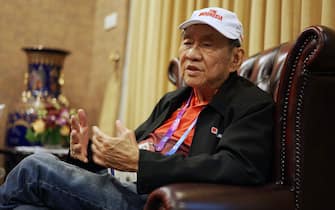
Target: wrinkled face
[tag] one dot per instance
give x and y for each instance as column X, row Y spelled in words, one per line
column 206, row 57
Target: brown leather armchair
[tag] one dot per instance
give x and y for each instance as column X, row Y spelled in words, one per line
column 301, row 78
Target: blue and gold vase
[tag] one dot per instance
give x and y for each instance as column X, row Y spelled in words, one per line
column 42, row 115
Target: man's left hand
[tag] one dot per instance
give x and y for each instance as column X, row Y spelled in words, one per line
column 119, row 152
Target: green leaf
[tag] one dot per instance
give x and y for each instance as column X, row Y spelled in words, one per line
column 52, row 137
column 30, row 135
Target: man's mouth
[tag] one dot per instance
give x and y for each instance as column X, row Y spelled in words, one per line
column 192, row 68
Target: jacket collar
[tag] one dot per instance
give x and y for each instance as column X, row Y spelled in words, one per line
column 220, row 98
column 223, row 96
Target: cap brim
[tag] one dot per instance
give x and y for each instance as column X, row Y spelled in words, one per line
column 187, row 23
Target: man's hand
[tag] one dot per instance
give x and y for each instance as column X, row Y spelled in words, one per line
column 119, row 152
column 79, row 136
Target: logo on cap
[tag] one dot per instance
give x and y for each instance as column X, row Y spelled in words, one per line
column 211, row 13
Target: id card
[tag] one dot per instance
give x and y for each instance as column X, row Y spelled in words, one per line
column 124, row 176
column 146, row 145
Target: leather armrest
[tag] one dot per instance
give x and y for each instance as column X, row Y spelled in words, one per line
column 214, row 196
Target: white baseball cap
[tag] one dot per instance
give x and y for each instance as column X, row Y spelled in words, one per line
column 224, row 21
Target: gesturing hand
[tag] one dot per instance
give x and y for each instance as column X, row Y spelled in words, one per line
column 119, row 152
column 79, row 136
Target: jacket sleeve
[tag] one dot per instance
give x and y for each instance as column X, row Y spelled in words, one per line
column 242, row 156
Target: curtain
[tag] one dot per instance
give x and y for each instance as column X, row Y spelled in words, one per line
column 154, row 39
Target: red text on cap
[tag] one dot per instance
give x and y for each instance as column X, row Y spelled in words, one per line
column 211, row 13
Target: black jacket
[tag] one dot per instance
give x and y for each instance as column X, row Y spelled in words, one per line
column 240, row 153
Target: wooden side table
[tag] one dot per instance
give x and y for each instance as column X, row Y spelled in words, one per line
column 13, row 155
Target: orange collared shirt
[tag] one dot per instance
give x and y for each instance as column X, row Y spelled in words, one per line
column 190, row 114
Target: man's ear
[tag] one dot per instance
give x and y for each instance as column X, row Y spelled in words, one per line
column 238, row 57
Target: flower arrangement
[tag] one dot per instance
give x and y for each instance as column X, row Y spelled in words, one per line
column 51, row 124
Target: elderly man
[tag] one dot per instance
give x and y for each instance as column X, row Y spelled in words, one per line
column 217, row 129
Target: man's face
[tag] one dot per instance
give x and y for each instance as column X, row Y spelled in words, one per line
column 206, row 58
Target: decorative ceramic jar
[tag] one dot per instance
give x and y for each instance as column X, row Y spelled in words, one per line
column 42, row 115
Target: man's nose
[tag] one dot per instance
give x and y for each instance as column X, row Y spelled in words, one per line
column 193, row 53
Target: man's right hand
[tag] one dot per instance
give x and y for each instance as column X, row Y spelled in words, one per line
column 79, row 136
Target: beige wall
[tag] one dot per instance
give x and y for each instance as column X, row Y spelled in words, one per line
column 104, row 70
column 75, row 25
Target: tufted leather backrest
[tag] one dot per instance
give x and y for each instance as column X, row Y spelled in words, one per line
column 264, row 68
column 305, row 114
column 301, row 78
